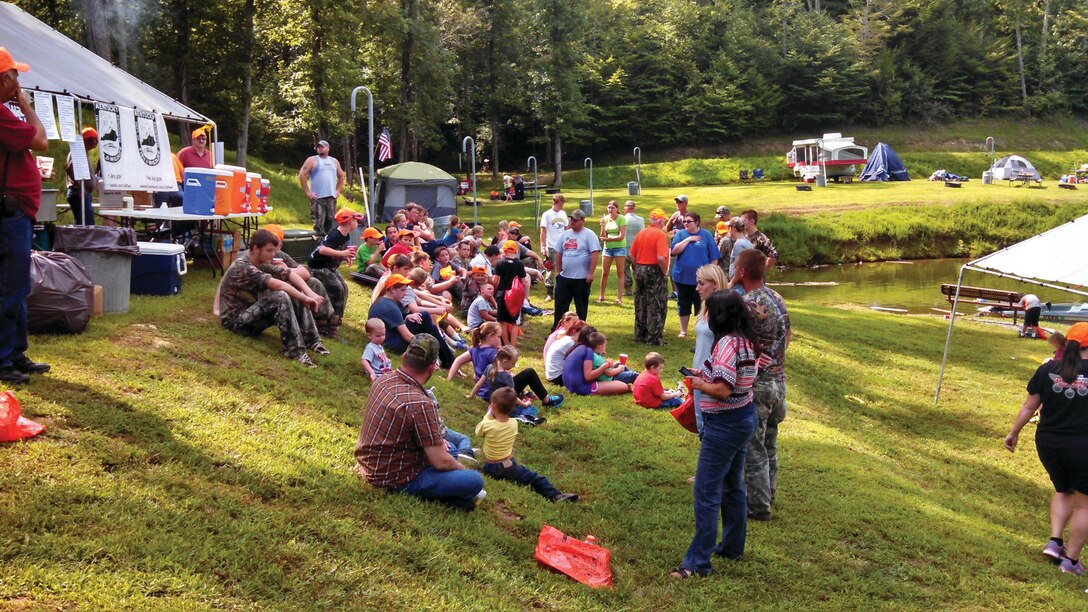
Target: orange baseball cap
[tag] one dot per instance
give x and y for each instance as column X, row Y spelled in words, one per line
column 396, row 279
column 1078, row 332
column 722, row 226
column 513, row 225
column 371, row 232
column 405, row 232
column 509, row 247
column 200, row 131
column 8, row 63
column 478, row 270
column 346, row 214
column 276, row 230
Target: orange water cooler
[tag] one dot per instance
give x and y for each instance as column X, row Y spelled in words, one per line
column 236, row 185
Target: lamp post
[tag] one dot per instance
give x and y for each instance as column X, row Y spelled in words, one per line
column 369, row 142
column 465, row 149
column 638, row 168
column 589, row 162
column 531, row 163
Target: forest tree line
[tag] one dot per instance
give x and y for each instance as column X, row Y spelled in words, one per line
column 546, row 77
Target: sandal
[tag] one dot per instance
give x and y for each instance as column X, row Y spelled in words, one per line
column 600, row 300
column 682, row 335
column 619, row 302
column 682, row 573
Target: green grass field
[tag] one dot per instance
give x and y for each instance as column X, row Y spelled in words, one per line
column 185, row 467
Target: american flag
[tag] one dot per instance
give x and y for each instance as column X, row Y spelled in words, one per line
column 385, row 146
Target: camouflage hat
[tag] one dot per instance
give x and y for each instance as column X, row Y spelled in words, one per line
column 423, row 349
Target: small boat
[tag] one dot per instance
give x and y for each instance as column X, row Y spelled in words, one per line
column 1066, row 312
column 833, row 156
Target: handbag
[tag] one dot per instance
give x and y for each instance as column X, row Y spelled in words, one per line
column 685, row 412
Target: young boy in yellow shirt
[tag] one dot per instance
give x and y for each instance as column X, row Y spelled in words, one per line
column 498, row 431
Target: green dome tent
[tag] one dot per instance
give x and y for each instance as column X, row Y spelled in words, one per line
column 426, row 185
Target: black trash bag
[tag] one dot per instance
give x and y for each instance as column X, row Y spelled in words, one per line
column 61, row 294
column 103, row 238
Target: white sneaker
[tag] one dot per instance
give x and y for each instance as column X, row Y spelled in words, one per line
column 479, row 496
column 467, row 461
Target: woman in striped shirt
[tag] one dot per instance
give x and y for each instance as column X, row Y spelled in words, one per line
column 729, row 420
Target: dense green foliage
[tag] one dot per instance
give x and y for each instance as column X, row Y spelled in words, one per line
column 534, row 76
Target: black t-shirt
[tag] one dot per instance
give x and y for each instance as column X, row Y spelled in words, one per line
column 336, row 241
column 507, row 270
column 1063, row 419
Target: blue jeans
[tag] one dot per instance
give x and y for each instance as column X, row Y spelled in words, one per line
column 16, row 232
column 671, row 403
column 523, row 476
column 627, row 376
column 698, row 395
column 83, row 214
column 460, row 444
column 719, row 488
column 455, row 487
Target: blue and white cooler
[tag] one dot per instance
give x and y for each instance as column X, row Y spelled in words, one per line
column 199, row 188
column 158, row 269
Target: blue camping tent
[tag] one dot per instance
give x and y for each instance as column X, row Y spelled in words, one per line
column 884, row 165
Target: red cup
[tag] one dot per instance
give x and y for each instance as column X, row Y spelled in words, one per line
column 623, row 358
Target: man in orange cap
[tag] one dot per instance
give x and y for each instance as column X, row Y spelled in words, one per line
column 80, row 191
column 197, row 154
column 325, row 260
column 20, row 195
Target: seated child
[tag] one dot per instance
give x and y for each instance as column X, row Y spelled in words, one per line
column 579, row 374
column 374, row 360
column 498, row 375
column 486, row 341
column 483, row 308
column 598, row 342
column 648, row 391
column 498, row 431
column 476, row 278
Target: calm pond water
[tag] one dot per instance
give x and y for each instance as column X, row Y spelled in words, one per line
column 915, row 286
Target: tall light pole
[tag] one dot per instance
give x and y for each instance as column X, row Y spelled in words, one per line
column 638, row 168
column 589, row 162
column 465, row 149
column 531, row 163
column 370, row 145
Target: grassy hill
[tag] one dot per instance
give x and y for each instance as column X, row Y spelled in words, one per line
column 185, row 467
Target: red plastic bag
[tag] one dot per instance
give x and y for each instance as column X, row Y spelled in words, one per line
column 587, row 563
column 514, row 297
column 685, row 412
column 12, row 424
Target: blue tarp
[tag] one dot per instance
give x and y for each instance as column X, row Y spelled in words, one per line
column 884, row 165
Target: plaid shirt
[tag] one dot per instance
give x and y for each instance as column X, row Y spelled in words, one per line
column 399, row 421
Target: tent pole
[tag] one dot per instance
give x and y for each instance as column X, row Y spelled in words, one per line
column 464, row 149
column 531, row 163
column 948, row 338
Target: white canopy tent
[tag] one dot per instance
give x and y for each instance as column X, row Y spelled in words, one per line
column 59, row 65
column 1057, row 258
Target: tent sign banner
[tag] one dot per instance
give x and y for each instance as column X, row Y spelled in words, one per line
column 66, row 115
column 43, row 108
column 133, row 150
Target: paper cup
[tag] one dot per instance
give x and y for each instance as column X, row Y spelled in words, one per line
column 623, row 358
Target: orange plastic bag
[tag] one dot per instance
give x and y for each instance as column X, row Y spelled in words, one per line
column 12, row 424
column 587, row 563
column 685, row 412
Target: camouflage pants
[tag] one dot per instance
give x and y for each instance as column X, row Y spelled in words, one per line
column 549, row 275
column 322, row 211
column 761, row 467
column 325, row 317
column 335, row 286
column 295, row 322
column 651, row 304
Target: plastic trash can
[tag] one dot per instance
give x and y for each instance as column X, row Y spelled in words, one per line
column 586, row 206
column 987, row 177
column 106, row 253
column 158, row 269
column 632, row 188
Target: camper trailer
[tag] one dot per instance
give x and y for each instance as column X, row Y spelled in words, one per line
column 833, row 156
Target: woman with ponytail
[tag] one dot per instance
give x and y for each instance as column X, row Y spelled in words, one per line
column 1059, row 389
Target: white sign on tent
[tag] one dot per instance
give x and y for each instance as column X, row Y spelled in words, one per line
column 134, row 150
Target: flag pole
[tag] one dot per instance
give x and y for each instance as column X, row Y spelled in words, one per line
column 369, row 142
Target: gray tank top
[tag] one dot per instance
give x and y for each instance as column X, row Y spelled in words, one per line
column 323, row 177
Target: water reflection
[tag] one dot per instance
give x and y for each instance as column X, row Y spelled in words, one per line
column 914, row 286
